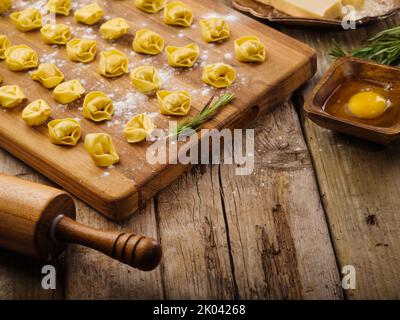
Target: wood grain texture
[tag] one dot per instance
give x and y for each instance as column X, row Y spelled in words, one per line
column 363, row 220
column 279, row 238
column 92, row 275
column 118, row 194
column 196, row 263
column 27, row 212
column 359, row 184
column 20, row 276
column 133, row 249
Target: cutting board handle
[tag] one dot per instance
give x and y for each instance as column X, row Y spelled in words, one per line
column 137, row 251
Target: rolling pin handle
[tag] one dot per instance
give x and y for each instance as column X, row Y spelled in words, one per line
column 137, row 251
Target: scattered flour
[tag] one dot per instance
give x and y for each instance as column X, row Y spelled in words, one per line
column 126, row 107
column 230, row 17
column 373, row 8
column 228, row 56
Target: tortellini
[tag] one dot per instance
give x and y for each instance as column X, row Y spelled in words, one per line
column 36, row 113
column 66, row 132
column 5, row 5
column 55, row 33
column 138, row 128
column 97, row 106
column 145, row 79
column 179, row 14
column 11, row 96
column 214, row 29
column 68, row 92
column 249, row 49
column 113, row 63
column 4, row 45
column 150, row 6
column 59, row 6
column 26, row 20
column 147, row 41
column 89, row 14
column 48, row 75
column 219, row 75
column 101, row 149
column 21, row 57
column 176, row 103
column 81, row 50
column 114, row 28
column 182, row 56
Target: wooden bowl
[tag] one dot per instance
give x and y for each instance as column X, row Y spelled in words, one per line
column 346, row 69
column 266, row 12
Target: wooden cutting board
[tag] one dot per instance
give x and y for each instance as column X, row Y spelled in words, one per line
column 117, row 192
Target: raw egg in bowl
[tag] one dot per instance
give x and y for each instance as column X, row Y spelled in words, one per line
column 368, row 105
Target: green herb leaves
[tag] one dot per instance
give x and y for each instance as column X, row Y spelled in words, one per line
column 383, row 48
column 209, row 110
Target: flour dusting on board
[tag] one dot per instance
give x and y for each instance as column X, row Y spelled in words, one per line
column 373, row 8
column 126, row 107
column 229, row 17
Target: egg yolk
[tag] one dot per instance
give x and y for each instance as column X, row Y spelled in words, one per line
column 368, row 105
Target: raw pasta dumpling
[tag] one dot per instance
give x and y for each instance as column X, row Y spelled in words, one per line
column 97, row 106
column 179, row 14
column 147, row 41
column 48, row 75
column 176, row 103
column 11, row 96
column 5, row 5
column 81, row 50
column 26, row 20
column 36, row 113
column 145, row 79
column 114, row 28
column 214, row 29
column 4, row 45
column 182, row 56
column 219, row 75
column 249, row 49
column 55, row 33
column 150, row 6
column 89, row 14
column 59, row 6
column 21, row 57
column 113, row 63
column 66, row 132
column 138, row 128
column 68, row 92
column 101, row 149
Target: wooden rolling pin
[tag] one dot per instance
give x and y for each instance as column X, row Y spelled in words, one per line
column 39, row 221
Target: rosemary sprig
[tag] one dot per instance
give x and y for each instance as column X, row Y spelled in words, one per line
column 209, row 110
column 336, row 51
column 383, row 48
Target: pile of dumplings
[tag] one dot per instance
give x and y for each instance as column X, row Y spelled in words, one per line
column 97, row 106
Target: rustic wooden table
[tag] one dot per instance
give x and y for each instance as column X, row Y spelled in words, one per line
column 317, row 201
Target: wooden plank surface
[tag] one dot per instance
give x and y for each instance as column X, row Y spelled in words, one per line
column 239, row 249
column 120, row 192
column 20, row 277
column 279, row 239
column 92, row 275
column 359, row 185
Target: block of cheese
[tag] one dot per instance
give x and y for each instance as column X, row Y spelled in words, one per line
column 355, row 3
column 322, row 9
